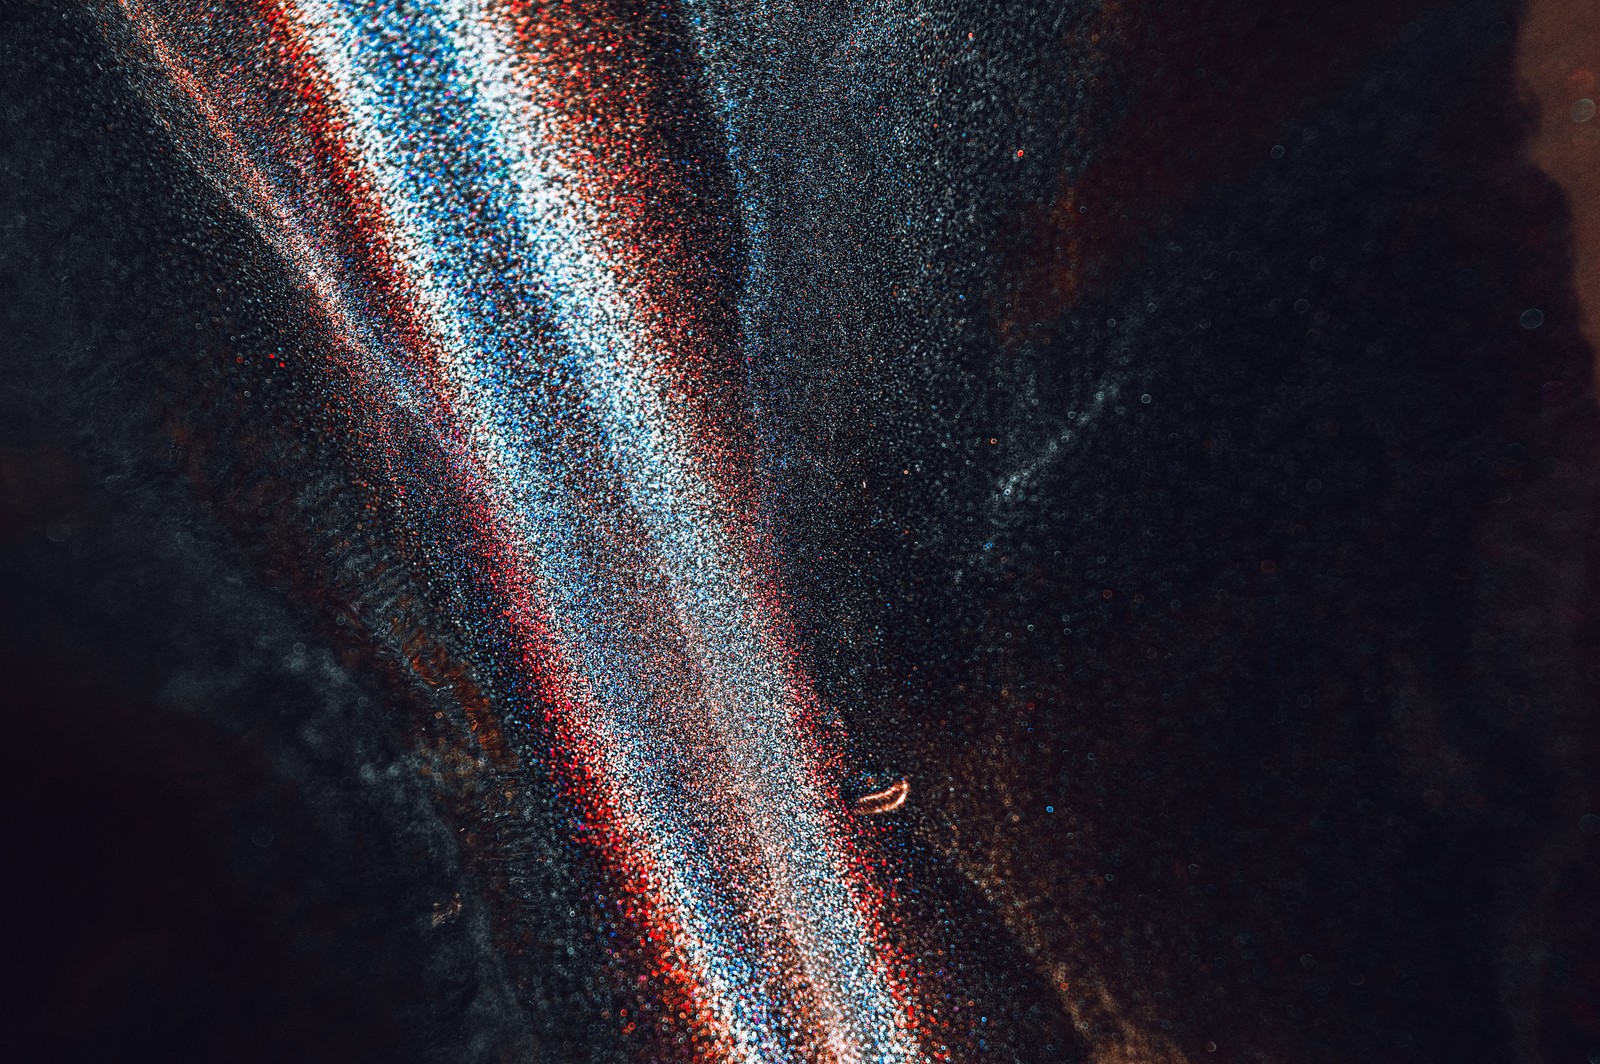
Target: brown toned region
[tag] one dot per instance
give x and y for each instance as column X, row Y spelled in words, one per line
column 1200, row 88
column 1558, row 64
column 1371, row 846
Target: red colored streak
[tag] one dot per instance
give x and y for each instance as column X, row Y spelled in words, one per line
column 323, row 213
column 593, row 71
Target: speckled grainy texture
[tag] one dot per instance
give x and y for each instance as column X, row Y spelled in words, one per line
column 889, row 532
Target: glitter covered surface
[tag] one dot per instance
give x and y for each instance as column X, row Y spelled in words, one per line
column 613, row 531
column 485, row 206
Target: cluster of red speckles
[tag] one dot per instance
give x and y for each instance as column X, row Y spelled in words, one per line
column 597, row 69
column 719, row 822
